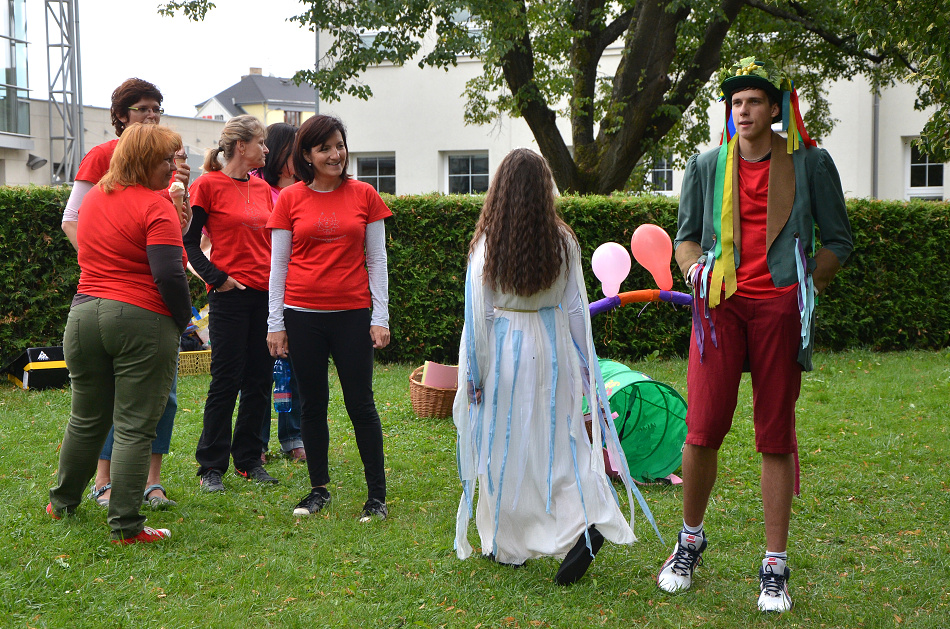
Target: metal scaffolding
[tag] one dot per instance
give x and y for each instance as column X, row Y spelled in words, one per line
column 65, row 88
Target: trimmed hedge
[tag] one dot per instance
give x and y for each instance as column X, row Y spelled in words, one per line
column 888, row 298
column 38, row 269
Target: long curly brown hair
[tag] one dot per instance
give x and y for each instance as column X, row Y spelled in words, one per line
column 525, row 242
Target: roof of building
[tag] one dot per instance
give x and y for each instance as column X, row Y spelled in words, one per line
column 255, row 89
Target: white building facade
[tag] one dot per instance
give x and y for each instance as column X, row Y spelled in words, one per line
column 413, row 130
column 197, row 135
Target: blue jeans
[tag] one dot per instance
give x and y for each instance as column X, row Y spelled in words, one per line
column 163, row 438
column 288, row 424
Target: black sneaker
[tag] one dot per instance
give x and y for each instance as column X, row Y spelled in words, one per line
column 258, row 474
column 211, row 481
column 374, row 508
column 316, row 500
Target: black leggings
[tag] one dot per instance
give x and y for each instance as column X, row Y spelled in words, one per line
column 313, row 337
column 240, row 364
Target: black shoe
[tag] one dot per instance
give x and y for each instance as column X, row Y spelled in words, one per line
column 258, row 474
column 579, row 558
column 316, row 500
column 211, row 481
column 374, row 508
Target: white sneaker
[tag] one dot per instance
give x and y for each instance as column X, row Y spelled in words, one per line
column 676, row 574
column 773, row 582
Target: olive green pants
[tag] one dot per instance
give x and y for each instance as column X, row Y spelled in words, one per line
column 121, row 360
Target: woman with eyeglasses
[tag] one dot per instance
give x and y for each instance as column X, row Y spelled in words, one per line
column 233, row 207
column 122, row 333
column 135, row 101
column 329, row 286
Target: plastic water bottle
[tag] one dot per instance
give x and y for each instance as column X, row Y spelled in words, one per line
column 282, row 393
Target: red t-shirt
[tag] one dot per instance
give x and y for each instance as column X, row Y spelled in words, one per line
column 753, row 276
column 95, row 165
column 237, row 215
column 113, row 231
column 327, row 269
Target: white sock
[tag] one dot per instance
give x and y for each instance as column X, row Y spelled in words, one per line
column 782, row 555
column 694, row 530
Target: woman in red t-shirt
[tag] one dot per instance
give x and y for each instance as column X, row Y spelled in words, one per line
column 133, row 101
column 328, row 269
column 232, row 208
column 278, row 172
column 121, row 339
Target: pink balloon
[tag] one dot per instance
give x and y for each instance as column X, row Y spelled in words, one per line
column 653, row 249
column 611, row 264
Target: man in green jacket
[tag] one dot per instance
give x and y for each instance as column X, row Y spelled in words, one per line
column 746, row 245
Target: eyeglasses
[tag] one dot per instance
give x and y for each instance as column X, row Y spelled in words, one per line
column 146, row 110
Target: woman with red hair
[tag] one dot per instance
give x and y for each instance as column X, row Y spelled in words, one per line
column 123, row 329
column 134, row 101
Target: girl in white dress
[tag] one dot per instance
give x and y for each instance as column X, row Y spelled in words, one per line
column 526, row 360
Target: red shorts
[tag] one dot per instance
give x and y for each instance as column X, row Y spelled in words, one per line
column 762, row 336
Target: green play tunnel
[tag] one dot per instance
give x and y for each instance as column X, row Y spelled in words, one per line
column 650, row 420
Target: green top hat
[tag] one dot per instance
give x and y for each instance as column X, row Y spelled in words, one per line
column 752, row 72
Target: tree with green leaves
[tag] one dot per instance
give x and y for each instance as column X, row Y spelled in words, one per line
column 543, row 60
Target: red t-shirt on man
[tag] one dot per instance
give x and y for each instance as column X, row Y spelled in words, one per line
column 237, row 216
column 114, row 230
column 327, row 269
column 753, row 276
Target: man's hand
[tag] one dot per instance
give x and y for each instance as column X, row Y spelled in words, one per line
column 826, row 267
column 687, row 254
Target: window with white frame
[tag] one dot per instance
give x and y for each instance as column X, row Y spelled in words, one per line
column 924, row 176
column 368, row 40
column 661, row 175
column 377, row 171
column 467, row 174
column 464, row 17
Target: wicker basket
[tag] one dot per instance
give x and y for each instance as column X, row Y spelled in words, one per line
column 194, row 363
column 429, row 401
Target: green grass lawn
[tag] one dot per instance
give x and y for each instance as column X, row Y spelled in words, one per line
column 869, row 548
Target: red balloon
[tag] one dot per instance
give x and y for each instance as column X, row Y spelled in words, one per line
column 653, row 249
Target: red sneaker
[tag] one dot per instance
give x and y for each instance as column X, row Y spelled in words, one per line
column 52, row 514
column 147, row 536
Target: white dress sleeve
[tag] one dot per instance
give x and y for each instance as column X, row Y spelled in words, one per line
column 577, row 315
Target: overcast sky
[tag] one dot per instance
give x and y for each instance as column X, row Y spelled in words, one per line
column 188, row 62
